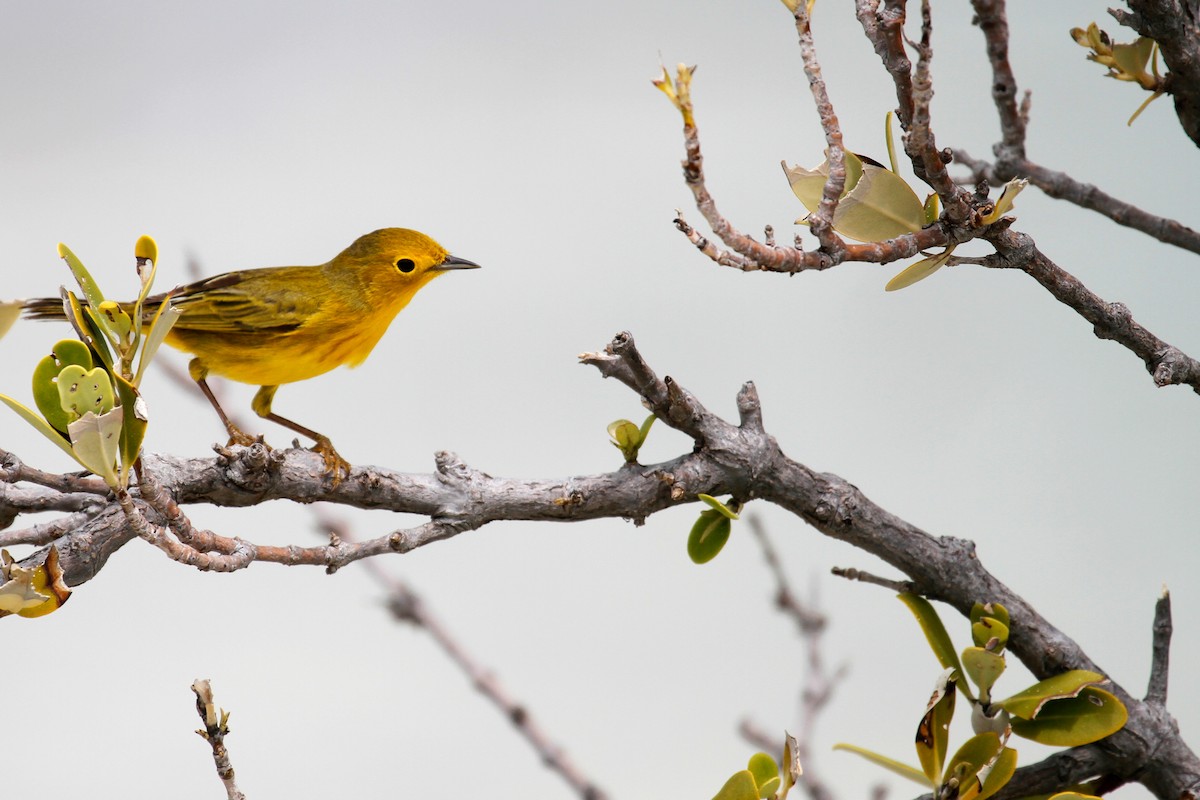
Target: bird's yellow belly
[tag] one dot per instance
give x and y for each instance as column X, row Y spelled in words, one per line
column 273, row 359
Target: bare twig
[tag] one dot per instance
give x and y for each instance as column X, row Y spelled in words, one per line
column 992, row 18
column 406, row 605
column 1160, row 661
column 852, row 574
column 216, row 728
column 818, row 683
column 1062, row 186
column 1166, row 364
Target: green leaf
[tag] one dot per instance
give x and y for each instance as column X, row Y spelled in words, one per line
column 1004, row 203
column 875, row 205
column 1027, row 703
column 81, row 390
column 983, row 765
column 1073, row 721
column 740, row 786
column 45, row 380
column 987, row 629
column 766, row 774
column 1133, row 57
column 91, row 291
column 993, row 610
column 919, row 270
column 40, row 425
column 133, row 426
column 983, row 667
column 933, row 732
column 898, row 767
column 708, row 536
column 96, row 441
column 626, row 437
column 935, row 631
column 718, row 506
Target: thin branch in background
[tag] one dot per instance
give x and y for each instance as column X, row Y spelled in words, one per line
column 216, row 728
column 406, row 605
column 818, row 684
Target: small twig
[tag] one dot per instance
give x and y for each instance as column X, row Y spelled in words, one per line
column 992, row 18
column 216, row 728
column 1165, row 363
column 1062, row 186
column 1156, row 692
column 852, row 574
column 818, row 684
column 13, row 470
column 406, row 605
column 45, row 532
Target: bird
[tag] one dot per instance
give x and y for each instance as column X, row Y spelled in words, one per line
column 277, row 325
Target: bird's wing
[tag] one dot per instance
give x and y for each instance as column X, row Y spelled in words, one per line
column 277, row 299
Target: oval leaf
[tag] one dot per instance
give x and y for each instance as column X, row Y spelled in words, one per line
column 918, row 271
column 1073, row 721
column 740, row 786
column 708, row 536
column 766, row 774
column 1027, row 703
column 45, row 380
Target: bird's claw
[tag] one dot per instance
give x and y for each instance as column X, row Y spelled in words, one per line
column 336, row 467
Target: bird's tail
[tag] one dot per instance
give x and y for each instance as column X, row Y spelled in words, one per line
column 43, row 308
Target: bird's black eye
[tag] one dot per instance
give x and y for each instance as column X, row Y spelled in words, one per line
column 405, row 265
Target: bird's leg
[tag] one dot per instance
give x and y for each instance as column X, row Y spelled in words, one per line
column 199, row 372
column 335, row 466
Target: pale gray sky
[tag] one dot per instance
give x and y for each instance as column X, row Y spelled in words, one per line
column 526, row 136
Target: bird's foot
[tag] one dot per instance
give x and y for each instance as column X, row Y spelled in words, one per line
column 240, row 437
column 336, row 467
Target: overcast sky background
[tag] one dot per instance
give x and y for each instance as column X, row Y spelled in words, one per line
column 526, row 136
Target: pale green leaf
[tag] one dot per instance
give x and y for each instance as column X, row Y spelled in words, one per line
column 40, row 424
column 898, row 767
column 96, row 441
column 1074, row 721
column 918, row 271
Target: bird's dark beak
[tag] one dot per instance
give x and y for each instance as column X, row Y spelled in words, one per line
column 454, row 262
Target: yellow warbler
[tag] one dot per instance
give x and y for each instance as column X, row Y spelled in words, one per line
column 285, row 324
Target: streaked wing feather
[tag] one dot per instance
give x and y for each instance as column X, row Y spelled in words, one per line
column 252, row 300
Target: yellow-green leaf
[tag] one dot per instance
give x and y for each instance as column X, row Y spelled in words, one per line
column 40, row 425
column 933, row 732
column 1027, row 703
column 988, row 628
column 983, row 668
column 993, row 610
column 740, row 786
column 708, row 536
column 1073, row 721
column 898, row 767
column 934, row 630
column 1004, row 203
column 919, row 271
column 766, row 774
column 876, row 203
column 45, row 380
